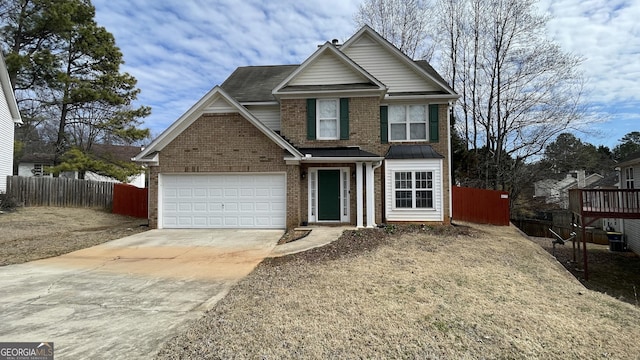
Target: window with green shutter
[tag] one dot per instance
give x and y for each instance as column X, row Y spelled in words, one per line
column 328, row 119
column 433, row 123
column 311, row 119
column 384, row 118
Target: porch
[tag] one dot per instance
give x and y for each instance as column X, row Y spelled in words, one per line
column 590, row 205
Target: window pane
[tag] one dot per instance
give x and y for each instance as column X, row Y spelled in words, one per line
column 403, row 199
column 424, row 199
column 397, row 114
column 417, row 113
column 328, row 128
column 328, row 109
column 418, row 131
column 398, row 132
column 403, row 180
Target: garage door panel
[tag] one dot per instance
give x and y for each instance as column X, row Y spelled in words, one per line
column 223, row 200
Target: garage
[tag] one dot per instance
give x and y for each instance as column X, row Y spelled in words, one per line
column 254, row 200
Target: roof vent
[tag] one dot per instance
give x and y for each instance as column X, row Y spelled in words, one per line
column 335, row 42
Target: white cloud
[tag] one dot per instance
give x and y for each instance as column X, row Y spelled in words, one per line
column 178, row 50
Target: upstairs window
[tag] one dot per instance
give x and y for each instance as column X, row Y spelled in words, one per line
column 408, row 122
column 628, row 174
column 328, row 115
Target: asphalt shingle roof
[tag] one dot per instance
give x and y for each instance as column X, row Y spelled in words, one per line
column 255, row 83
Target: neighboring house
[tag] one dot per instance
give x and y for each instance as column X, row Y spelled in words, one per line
column 630, row 179
column 9, row 118
column 36, row 164
column 557, row 191
column 357, row 134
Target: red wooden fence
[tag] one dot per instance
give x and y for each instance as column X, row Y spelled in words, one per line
column 480, row 206
column 130, row 200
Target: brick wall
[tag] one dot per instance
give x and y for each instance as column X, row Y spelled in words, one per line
column 364, row 131
column 224, row 143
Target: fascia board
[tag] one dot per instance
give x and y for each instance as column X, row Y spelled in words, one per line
column 7, row 89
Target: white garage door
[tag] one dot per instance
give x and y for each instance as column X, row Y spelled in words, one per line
column 223, row 201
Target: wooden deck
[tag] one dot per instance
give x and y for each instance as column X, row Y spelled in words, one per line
column 605, row 203
column 589, row 205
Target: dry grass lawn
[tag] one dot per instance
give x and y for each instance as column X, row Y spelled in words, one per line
column 32, row 233
column 488, row 293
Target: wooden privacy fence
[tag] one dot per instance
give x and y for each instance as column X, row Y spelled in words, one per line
column 48, row 191
column 480, row 205
column 130, row 200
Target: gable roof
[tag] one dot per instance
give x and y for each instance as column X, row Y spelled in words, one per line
column 630, row 160
column 255, row 83
column 216, row 98
column 7, row 89
column 421, row 67
column 368, row 82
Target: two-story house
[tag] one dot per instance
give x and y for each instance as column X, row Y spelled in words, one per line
column 356, row 134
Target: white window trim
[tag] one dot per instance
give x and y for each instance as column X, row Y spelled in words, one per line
column 413, row 190
column 629, row 178
column 337, row 119
column 408, row 123
column 345, row 191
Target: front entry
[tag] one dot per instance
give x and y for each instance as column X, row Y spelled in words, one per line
column 329, row 195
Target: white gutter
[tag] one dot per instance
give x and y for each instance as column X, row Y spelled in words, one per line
column 310, row 159
column 449, row 110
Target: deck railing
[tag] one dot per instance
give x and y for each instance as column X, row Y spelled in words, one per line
column 613, row 203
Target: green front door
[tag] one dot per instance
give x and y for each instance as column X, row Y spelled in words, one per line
column 329, row 195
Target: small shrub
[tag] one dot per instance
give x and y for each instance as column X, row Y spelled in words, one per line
column 8, row 202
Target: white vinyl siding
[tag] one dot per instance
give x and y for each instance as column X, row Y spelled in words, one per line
column 267, row 114
column 632, row 234
column 6, row 143
column 327, row 69
column 220, row 105
column 387, row 67
column 433, row 184
column 249, row 200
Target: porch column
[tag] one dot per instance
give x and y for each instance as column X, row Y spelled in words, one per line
column 371, row 216
column 359, row 196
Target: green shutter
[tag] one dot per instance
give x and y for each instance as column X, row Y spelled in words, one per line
column 311, row 119
column 433, row 122
column 344, row 119
column 384, row 124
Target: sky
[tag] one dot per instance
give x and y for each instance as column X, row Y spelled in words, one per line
column 179, row 49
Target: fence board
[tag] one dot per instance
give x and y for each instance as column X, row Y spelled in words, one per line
column 130, row 200
column 62, row 192
column 480, row 205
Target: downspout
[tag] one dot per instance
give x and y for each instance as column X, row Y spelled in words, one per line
column 450, row 158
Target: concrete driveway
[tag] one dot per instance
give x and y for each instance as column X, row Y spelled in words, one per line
column 122, row 299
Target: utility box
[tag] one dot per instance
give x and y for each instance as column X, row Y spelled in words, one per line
column 616, row 241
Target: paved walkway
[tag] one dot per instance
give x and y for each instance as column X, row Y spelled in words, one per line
column 319, row 236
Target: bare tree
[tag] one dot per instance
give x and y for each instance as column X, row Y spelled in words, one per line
column 519, row 89
column 405, row 23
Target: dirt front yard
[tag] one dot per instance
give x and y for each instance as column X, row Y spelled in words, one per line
column 480, row 293
column 33, row 233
